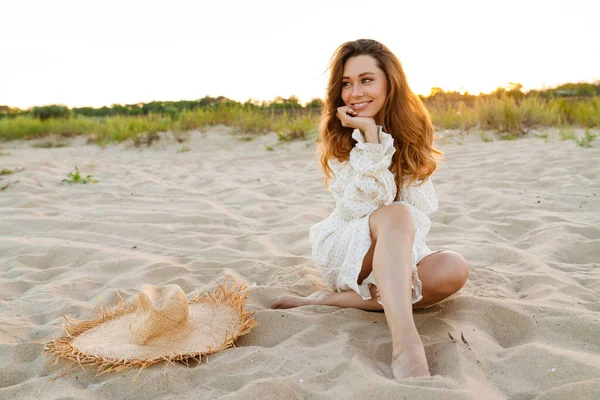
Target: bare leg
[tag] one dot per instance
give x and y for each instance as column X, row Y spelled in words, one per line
column 349, row 299
column 392, row 229
column 390, row 261
column 442, row 275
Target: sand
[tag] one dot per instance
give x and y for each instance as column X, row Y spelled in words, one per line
column 524, row 213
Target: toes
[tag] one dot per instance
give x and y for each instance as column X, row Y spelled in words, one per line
column 276, row 303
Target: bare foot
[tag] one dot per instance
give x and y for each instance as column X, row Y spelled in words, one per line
column 409, row 362
column 289, row 301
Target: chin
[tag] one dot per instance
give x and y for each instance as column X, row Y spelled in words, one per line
column 365, row 114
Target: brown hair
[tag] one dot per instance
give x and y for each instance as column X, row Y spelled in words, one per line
column 403, row 116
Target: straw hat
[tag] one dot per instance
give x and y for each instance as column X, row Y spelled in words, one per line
column 160, row 326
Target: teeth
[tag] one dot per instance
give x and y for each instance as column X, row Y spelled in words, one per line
column 361, row 104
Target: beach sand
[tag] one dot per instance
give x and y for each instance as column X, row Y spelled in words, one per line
column 524, row 213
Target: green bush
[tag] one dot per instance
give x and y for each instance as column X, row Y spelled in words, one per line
column 51, row 111
column 297, row 127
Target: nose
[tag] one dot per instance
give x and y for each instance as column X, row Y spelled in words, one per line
column 357, row 91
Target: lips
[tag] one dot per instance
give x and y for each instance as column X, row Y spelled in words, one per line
column 360, row 106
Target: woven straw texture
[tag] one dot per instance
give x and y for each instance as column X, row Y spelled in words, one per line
column 159, row 326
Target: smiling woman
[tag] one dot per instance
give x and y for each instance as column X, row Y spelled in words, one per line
column 376, row 143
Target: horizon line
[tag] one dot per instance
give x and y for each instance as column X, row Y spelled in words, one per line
column 304, row 103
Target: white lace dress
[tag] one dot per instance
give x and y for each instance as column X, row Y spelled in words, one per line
column 360, row 186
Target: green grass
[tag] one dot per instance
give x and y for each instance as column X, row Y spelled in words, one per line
column 586, row 140
column 566, row 133
column 6, row 171
column 27, row 127
column 485, row 138
column 299, row 127
column 76, row 177
column 143, row 130
column 508, row 116
column 509, row 136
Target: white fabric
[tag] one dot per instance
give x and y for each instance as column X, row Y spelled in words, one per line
column 361, row 186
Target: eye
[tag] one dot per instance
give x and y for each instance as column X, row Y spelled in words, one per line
column 367, row 80
column 345, row 84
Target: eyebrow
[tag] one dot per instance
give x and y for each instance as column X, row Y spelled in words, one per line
column 360, row 75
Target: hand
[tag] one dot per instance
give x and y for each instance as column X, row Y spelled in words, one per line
column 348, row 118
column 366, row 125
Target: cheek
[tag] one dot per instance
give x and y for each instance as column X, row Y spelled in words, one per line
column 380, row 98
column 380, row 92
column 345, row 96
column 375, row 94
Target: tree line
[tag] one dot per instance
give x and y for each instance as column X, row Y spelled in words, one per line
column 286, row 105
column 171, row 108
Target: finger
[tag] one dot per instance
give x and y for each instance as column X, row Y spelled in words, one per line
column 347, row 112
column 344, row 118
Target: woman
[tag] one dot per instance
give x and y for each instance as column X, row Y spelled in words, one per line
column 376, row 144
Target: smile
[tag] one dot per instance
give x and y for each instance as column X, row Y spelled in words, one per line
column 360, row 106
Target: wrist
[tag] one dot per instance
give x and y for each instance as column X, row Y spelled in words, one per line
column 372, row 133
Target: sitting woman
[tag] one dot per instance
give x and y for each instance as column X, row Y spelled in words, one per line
column 376, row 145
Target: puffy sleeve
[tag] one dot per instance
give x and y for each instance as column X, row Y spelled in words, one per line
column 421, row 198
column 364, row 183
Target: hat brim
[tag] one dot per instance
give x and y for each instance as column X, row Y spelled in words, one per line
column 216, row 320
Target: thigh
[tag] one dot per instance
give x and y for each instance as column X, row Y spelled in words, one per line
column 397, row 215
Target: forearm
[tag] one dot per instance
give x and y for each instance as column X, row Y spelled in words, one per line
column 371, row 134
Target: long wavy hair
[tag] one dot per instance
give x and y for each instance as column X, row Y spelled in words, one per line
column 403, row 116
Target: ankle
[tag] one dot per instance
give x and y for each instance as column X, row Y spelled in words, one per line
column 410, row 342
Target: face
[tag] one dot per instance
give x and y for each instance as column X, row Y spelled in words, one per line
column 364, row 85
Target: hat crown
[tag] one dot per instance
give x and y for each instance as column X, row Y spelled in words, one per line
column 213, row 323
column 161, row 309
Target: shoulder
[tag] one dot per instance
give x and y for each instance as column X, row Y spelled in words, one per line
column 423, row 174
column 418, row 184
column 336, row 165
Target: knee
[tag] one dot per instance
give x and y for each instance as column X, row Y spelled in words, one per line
column 453, row 273
column 396, row 217
column 460, row 270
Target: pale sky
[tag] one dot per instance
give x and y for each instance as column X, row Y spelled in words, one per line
column 84, row 52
